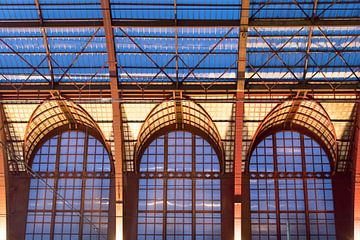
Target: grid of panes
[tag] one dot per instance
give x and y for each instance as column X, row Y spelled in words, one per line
column 179, row 189
column 70, row 197
column 290, row 189
column 49, row 116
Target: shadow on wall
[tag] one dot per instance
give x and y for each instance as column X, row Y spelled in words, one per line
column 350, row 126
column 129, row 142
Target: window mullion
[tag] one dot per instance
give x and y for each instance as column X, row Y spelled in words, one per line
column 165, row 190
column 304, row 178
column 180, row 176
column 193, row 183
column 67, row 202
column 83, row 186
column 276, row 185
column 55, row 193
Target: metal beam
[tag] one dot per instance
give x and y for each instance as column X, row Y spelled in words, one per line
column 157, row 96
column 356, row 173
column 308, row 47
column 146, row 54
column 313, row 87
column 103, row 91
column 339, row 53
column 46, row 44
column 274, row 52
column 117, row 119
column 344, row 22
column 207, row 54
column 176, row 45
column 3, row 177
column 320, row 68
column 239, row 226
column 35, row 69
column 78, row 54
column 48, row 54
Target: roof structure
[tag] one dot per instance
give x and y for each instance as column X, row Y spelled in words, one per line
column 62, row 44
column 301, row 114
column 52, row 115
column 139, row 52
column 177, row 114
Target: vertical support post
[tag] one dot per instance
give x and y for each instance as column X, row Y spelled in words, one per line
column 343, row 193
column 308, row 47
column 117, row 120
column 176, row 46
column 3, row 177
column 239, row 117
column 46, row 43
column 356, row 177
column 17, row 186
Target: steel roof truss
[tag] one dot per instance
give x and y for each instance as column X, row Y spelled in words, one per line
column 79, row 54
column 338, row 53
column 275, row 52
column 331, row 59
column 207, row 54
column 146, row 54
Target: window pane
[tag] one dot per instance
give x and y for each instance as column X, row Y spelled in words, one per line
column 286, row 192
column 183, row 199
column 67, row 164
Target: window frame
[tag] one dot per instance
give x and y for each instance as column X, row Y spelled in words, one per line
column 246, row 226
column 87, row 132
column 131, row 185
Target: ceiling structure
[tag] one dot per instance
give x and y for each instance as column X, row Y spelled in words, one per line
column 304, row 114
column 177, row 115
column 139, row 52
column 52, row 115
column 58, row 44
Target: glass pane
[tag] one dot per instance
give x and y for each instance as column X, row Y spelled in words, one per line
column 286, row 189
column 67, row 163
column 183, row 200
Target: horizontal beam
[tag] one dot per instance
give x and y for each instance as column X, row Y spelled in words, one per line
column 144, row 88
column 206, row 87
column 102, row 91
column 348, row 22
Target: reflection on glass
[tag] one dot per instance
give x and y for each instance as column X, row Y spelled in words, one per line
column 286, row 194
column 176, row 202
column 68, row 201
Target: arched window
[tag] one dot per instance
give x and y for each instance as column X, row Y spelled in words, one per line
column 179, row 195
column 70, row 189
column 291, row 194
